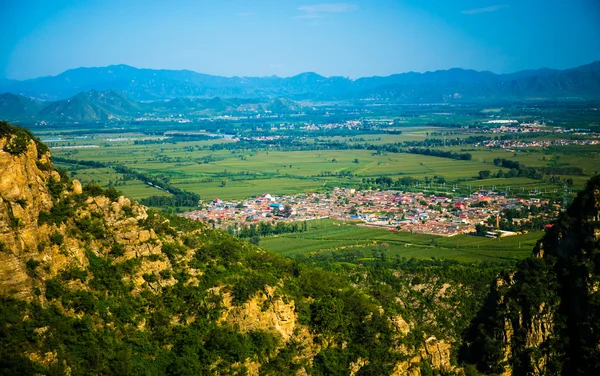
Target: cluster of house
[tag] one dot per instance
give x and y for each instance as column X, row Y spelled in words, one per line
column 393, row 210
column 519, row 128
column 350, row 124
column 515, row 144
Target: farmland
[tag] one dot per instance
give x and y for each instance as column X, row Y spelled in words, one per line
column 239, row 173
column 343, row 145
column 331, row 238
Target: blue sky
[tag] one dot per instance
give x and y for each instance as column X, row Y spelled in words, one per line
column 287, row 37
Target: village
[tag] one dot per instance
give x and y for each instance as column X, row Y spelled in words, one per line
column 391, row 210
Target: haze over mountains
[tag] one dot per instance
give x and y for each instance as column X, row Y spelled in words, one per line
column 110, row 105
column 453, row 84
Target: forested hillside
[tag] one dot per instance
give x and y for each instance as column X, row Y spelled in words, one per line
column 542, row 318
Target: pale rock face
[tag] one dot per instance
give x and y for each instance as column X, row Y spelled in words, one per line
column 77, row 189
column 400, row 325
column 23, row 194
column 356, row 366
column 280, row 316
column 408, row 368
column 438, row 354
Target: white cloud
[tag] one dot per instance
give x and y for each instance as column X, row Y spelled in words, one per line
column 322, row 10
column 491, row 8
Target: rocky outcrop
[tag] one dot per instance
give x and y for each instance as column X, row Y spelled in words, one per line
column 437, row 353
column 542, row 318
column 278, row 315
column 23, row 194
column 31, row 252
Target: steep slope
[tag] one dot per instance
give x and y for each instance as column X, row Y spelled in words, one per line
column 282, row 105
column 542, row 318
column 452, row 84
column 90, row 106
column 92, row 283
column 18, row 107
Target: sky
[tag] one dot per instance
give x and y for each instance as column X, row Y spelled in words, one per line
column 287, row 37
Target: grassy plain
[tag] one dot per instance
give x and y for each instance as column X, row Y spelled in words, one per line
column 329, row 236
column 241, row 173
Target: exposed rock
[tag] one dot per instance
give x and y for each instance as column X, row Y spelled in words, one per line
column 356, row 366
column 77, row 189
column 408, row 368
column 23, row 194
column 400, row 325
column 251, row 315
column 437, row 352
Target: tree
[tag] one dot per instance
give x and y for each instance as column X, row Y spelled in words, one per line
column 484, row 174
column 480, row 229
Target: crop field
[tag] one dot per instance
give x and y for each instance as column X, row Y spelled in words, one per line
column 279, row 172
column 240, row 173
column 329, row 236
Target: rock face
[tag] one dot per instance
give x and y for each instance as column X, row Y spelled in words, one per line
column 265, row 311
column 23, row 194
column 31, row 252
column 543, row 318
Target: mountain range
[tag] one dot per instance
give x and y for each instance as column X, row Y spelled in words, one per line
column 444, row 85
column 93, row 106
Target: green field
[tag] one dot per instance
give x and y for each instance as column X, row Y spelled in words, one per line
column 244, row 172
column 328, row 236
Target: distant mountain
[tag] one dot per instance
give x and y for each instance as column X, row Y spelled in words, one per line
column 90, row 106
column 282, row 105
column 18, row 107
column 452, row 84
column 93, row 106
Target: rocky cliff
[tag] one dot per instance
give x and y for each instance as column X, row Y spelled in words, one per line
column 543, row 317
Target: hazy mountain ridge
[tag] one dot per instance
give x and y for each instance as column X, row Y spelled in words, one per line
column 150, row 84
column 90, row 106
column 94, row 106
column 18, row 106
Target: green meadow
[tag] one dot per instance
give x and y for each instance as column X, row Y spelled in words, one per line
column 331, row 237
column 240, row 173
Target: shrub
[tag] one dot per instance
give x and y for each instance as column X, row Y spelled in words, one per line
column 117, row 249
column 31, row 267
column 57, row 238
column 112, row 193
column 128, row 211
column 73, row 274
column 165, row 274
column 17, row 144
column 59, row 213
column 54, row 289
column 93, row 190
column 149, row 277
column 19, row 140
column 55, row 187
column 154, row 257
